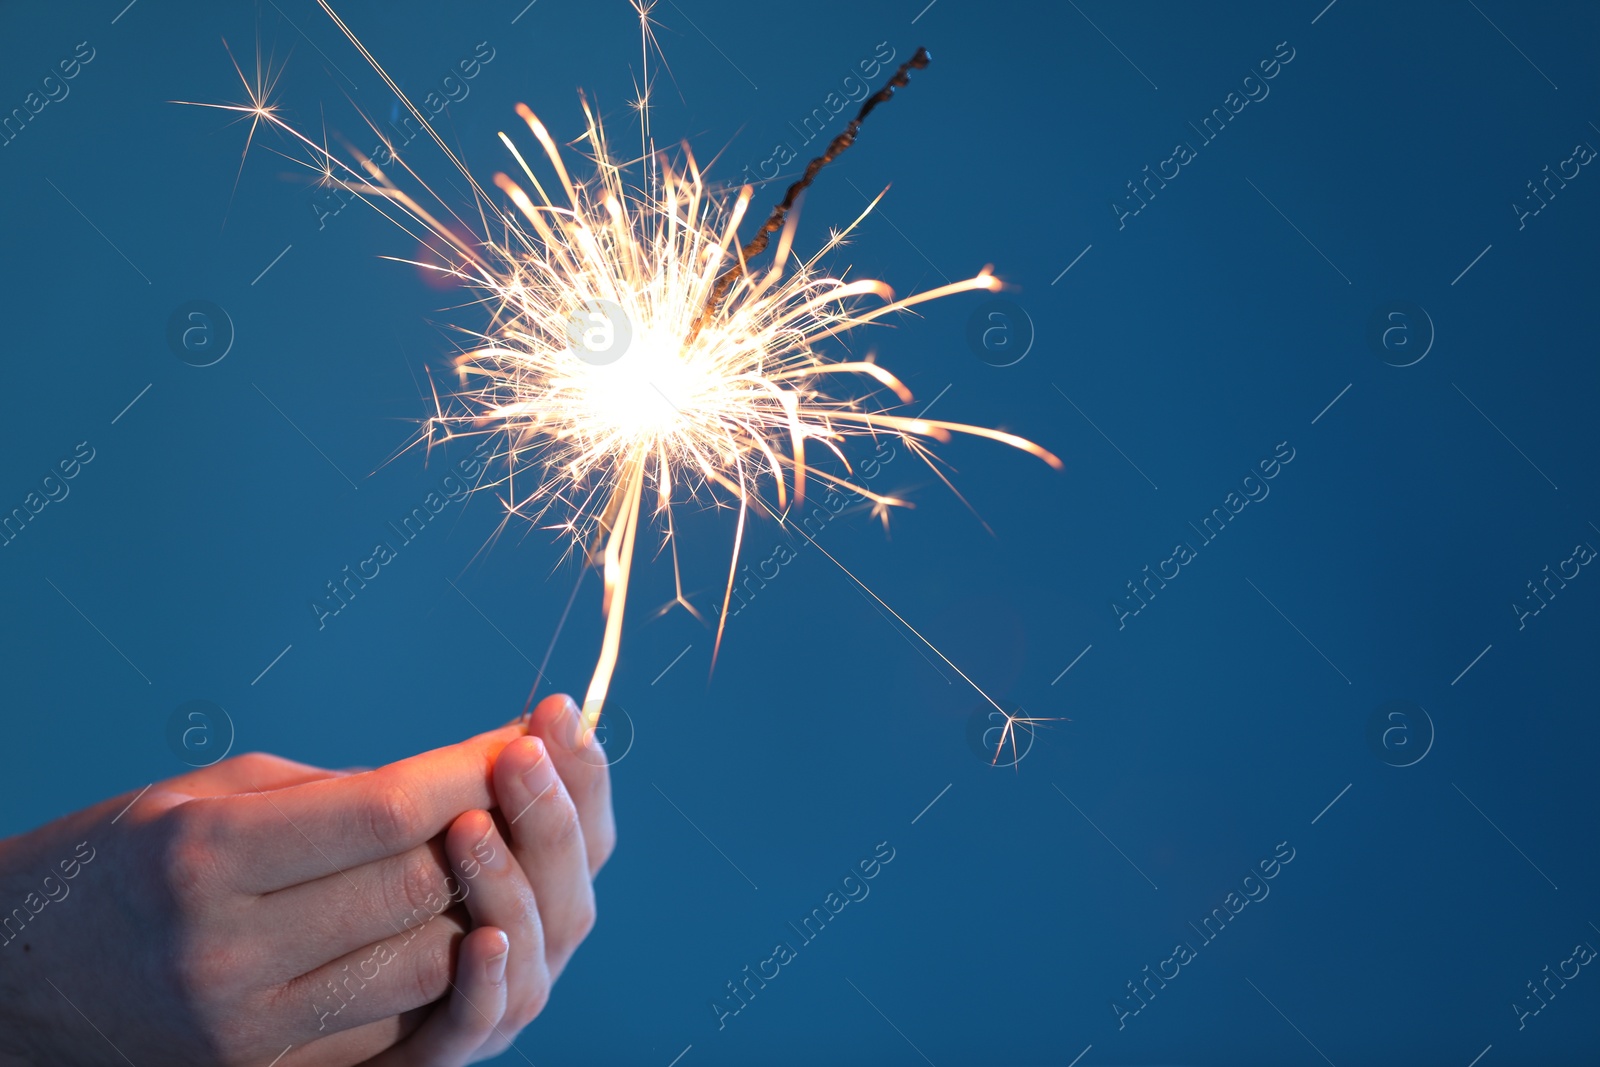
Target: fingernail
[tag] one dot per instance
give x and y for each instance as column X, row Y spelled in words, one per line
column 494, row 968
column 573, row 728
column 537, row 778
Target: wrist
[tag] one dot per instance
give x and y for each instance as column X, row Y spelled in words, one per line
column 33, row 1028
column 18, row 1014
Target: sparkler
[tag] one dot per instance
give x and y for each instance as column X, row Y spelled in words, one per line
column 635, row 358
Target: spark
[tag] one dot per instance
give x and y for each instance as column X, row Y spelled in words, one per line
column 260, row 108
column 632, row 358
column 1008, row 733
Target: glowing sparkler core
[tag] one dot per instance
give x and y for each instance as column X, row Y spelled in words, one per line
column 718, row 386
column 720, row 379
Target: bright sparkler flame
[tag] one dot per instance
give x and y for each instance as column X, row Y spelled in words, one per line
column 719, row 388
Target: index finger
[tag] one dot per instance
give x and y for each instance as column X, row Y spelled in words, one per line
column 581, row 761
column 283, row 837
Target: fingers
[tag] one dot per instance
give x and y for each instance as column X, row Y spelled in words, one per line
column 394, row 975
column 456, row 1029
column 288, row 836
column 355, row 1046
column 249, row 772
column 581, row 762
column 499, row 894
column 548, row 842
column 361, row 906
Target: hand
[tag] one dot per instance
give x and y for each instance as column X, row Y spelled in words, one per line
column 228, row 914
column 532, row 903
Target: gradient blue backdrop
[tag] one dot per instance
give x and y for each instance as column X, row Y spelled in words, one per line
column 1191, row 338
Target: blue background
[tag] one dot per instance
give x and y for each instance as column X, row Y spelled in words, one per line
column 1220, row 721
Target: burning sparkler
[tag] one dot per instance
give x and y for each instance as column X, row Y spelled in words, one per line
column 634, row 357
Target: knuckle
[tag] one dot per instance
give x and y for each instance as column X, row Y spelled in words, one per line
column 584, row 919
column 392, row 817
column 191, row 869
column 607, row 843
column 583, row 779
column 579, row 923
column 428, row 977
column 532, row 1004
column 558, row 824
column 415, row 891
column 253, row 764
